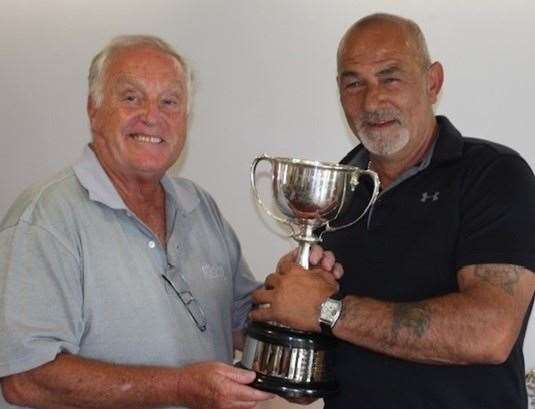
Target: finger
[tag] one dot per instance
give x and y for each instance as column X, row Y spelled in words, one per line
column 325, row 275
column 338, row 271
column 287, row 266
column 272, row 281
column 244, row 393
column 262, row 296
column 288, row 257
column 316, row 254
column 329, row 279
column 247, row 394
column 261, row 314
column 238, row 375
column 242, row 405
column 327, row 261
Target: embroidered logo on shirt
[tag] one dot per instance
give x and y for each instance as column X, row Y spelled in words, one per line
column 426, row 196
column 213, row 271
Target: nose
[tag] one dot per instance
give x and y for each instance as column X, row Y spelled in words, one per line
column 150, row 113
column 373, row 98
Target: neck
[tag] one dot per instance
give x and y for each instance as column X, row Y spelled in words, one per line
column 131, row 188
column 147, row 202
column 138, row 192
column 144, row 197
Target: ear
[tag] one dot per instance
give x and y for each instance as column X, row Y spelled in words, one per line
column 435, row 79
column 91, row 110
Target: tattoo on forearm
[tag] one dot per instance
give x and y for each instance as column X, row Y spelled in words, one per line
column 502, row 276
column 414, row 317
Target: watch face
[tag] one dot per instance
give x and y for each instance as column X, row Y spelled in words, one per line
column 330, row 310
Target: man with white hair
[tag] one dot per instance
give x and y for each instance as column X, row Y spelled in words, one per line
column 439, row 282
column 122, row 287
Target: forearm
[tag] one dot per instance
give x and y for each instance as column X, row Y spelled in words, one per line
column 478, row 324
column 442, row 330
column 458, row 328
column 73, row 382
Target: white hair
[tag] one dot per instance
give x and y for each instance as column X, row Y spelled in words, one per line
column 100, row 62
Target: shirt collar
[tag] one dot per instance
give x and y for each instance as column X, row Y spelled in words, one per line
column 94, row 179
column 449, row 144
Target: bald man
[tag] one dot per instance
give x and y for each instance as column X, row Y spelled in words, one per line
column 439, row 283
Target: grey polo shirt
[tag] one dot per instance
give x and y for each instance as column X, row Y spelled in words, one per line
column 80, row 273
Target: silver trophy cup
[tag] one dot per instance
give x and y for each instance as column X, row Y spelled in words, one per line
column 310, row 196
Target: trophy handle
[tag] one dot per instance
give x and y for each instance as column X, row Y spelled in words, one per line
column 255, row 163
column 354, row 182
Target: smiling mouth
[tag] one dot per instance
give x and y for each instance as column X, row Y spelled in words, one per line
column 381, row 124
column 146, row 138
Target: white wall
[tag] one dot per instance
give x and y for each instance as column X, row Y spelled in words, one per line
column 265, row 80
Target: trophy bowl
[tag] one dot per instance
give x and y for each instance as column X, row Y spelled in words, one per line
column 310, row 192
column 309, row 195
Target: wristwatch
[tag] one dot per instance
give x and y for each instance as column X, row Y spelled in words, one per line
column 330, row 311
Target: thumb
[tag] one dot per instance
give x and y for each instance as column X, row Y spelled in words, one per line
column 239, row 375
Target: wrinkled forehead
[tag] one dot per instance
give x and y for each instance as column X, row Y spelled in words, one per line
column 144, row 61
column 376, row 41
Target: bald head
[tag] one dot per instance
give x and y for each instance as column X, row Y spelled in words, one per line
column 383, row 25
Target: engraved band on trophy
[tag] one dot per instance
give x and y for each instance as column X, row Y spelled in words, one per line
column 310, row 195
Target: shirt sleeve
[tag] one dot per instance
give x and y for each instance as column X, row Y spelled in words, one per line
column 244, row 281
column 244, row 285
column 41, row 298
column 498, row 215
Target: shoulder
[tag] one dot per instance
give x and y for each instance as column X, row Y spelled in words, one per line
column 496, row 184
column 48, row 200
column 490, row 160
column 475, row 147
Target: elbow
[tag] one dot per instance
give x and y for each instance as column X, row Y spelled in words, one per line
column 495, row 349
column 14, row 392
column 498, row 355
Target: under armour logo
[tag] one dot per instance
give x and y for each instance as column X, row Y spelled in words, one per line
column 426, row 196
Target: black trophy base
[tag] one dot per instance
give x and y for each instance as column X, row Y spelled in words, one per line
column 274, row 353
column 290, row 390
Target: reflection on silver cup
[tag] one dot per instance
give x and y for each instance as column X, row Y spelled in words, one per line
column 309, row 195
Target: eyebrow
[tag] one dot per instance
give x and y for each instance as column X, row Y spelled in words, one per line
column 389, row 71
column 348, row 74
column 394, row 69
column 124, row 81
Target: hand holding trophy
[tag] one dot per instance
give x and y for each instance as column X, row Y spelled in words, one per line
column 309, row 195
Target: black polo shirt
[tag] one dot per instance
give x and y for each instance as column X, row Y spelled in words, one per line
column 473, row 202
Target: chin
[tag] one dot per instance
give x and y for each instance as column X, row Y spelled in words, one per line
column 149, row 171
column 384, row 145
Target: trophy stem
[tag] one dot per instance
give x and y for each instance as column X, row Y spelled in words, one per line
column 303, row 254
column 304, row 246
